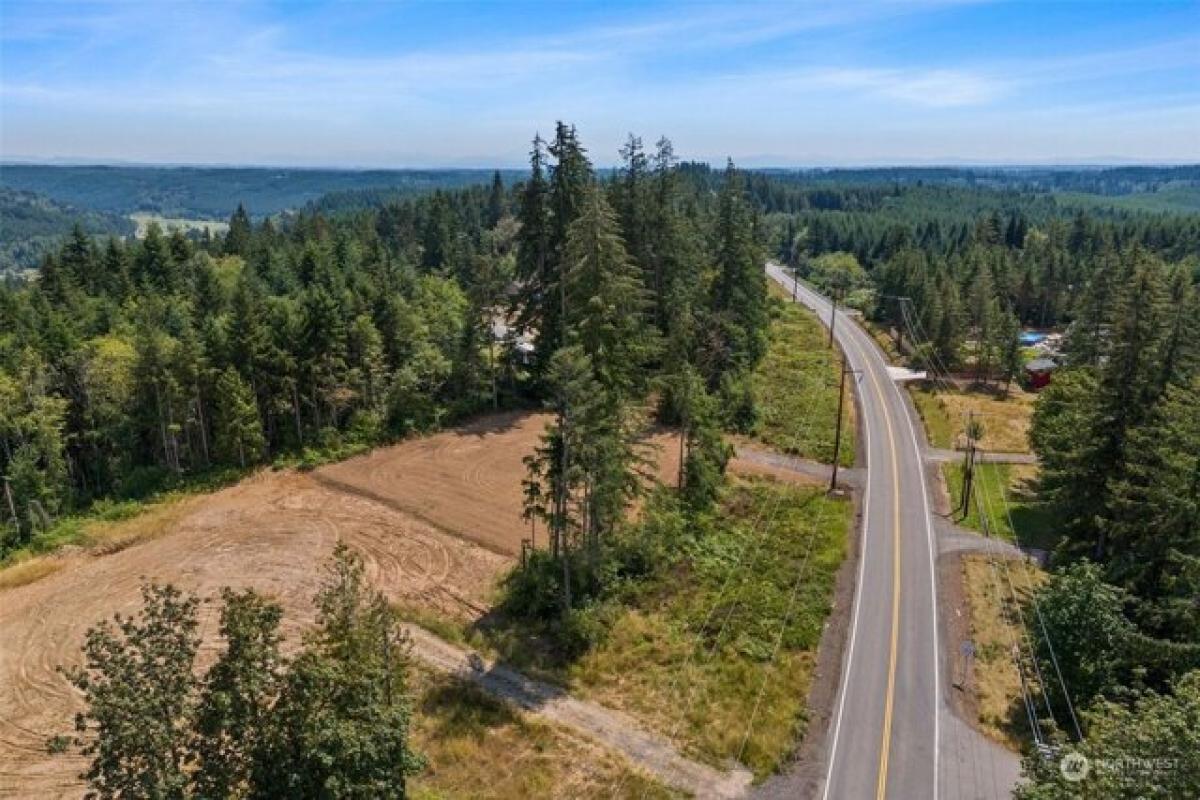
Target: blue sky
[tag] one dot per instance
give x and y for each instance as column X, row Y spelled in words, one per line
column 467, row 84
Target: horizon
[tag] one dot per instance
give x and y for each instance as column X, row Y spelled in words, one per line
column 1099, row 163
column 464, row 86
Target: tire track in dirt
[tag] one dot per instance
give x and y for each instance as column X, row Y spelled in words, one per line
column 273, row 532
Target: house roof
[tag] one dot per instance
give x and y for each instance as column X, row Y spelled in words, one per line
column 1041, row 365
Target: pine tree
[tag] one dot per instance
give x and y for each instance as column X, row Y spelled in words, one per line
column 1155, row 527
column 739, row 292
column 605, row 298
column 535, row 309
column 1008, row 348
column 238, row 427
column 237, row 239
column 497, row 201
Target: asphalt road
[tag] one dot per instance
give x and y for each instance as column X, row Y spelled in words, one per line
column 892, row 734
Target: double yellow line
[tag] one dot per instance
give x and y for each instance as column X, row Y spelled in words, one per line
column 885, row 745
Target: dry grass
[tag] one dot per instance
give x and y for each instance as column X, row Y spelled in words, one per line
column 796, row 388
column 105, row 537
column 696, row 650
column 995, row 680
column 28, row 571
column 1005, row 420
column 478, row 746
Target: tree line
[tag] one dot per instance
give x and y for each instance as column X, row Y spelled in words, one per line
column 645, row 298
column 1118, row 437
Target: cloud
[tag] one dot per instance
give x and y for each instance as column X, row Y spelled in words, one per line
column 935, row 88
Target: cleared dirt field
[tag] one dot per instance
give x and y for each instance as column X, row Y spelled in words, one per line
column 415, row 511
column 467, row 481
column 271, row 532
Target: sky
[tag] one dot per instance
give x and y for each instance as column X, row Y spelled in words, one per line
column 412, row 84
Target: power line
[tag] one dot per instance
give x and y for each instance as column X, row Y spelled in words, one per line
column 909, row 316
column 758, row 534
column 1041, row 620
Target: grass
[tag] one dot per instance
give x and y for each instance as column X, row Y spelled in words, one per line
column 938, row 426
column 997, row 683
column 28, row 570
column 692, row 651
column 1005, row 420
column 796, row 386
column 883, row 339
column 478, row 746
column 1030, row 523
column 108, row 526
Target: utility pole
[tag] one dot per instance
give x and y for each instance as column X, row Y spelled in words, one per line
column 795, row 281
column 832, row 315
column 837, row 439
column 968, row 466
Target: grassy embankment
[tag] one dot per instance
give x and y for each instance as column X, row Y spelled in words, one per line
column 796, row 387
column 1006, row 494
column 730, row 622
column 1009, row 504
column 1005, row 420
column 479, row 746
column 108, row 526
column 715, row 632
column 994, row 627
column 1003, row 489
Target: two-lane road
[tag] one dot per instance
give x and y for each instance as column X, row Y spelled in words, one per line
column 886, row 737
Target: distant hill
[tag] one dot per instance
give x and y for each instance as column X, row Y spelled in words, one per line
column 214, row 192
column 31, row 224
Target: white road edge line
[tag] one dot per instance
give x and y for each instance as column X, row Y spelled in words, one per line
column 933, row 601
column 937, row 653
column 862, row 561
column 937, row 689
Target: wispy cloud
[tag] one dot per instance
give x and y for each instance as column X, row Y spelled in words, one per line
column 935, row 88
column 230, row 76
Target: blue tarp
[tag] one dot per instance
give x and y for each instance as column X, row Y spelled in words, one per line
column 1032, row 338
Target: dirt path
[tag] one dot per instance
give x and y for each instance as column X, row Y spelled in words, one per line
column 758, row 460
column 619, row 731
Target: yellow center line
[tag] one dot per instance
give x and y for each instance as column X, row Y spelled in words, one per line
column 885, row 746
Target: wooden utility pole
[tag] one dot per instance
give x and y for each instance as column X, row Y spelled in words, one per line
column 968, row 467
column 795, row 281
column 832, row 316
column 837, row 439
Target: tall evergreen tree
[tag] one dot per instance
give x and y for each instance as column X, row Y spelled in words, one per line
column 237, row 239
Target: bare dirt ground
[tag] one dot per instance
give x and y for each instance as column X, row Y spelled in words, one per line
column 272, row 532
column 413, row 511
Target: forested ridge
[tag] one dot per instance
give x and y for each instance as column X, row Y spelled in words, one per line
column 32, row 225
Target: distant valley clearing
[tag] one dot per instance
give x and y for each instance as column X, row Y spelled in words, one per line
column 143, row 219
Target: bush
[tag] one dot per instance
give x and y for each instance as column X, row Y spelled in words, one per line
column 736, row 400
